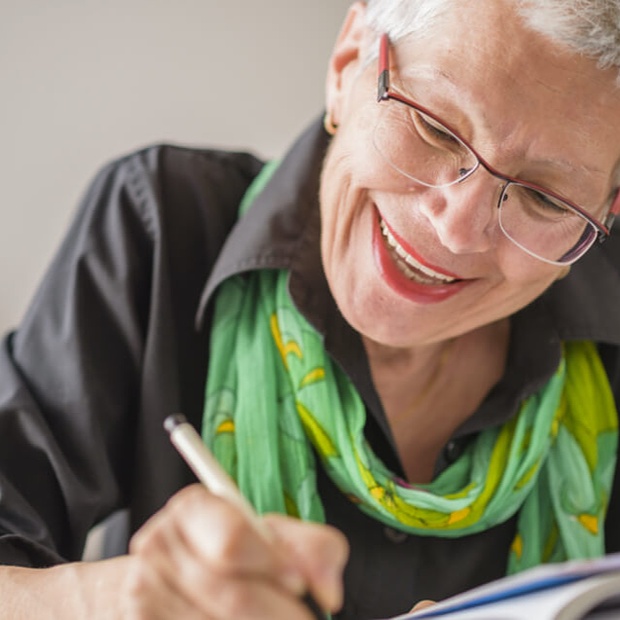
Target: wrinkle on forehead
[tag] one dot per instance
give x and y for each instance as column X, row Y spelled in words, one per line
column 507, row 88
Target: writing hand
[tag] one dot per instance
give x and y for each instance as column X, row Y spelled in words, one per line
column 200, row 558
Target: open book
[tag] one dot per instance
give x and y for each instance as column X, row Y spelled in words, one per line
column 571, row 590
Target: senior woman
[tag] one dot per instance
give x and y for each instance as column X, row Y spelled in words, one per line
column 406, row 329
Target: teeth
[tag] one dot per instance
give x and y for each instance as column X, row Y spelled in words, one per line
column 422, row 270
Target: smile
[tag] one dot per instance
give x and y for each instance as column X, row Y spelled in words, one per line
column 409, row 266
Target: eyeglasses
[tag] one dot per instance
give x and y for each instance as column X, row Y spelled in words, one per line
column 419, row 145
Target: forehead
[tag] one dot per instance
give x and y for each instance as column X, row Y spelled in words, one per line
column 509, row 86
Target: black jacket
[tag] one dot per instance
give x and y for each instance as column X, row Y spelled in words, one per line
column 116, row 339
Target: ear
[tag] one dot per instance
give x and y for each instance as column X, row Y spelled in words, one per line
column 345, row 59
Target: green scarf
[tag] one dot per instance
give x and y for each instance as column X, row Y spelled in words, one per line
column 273, row 394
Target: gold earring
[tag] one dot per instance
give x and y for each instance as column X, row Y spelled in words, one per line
column 329, row 125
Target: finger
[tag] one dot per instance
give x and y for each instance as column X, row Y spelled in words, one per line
column 148, row 595
column 199, row 591
column 249, row 598
column 422, row 605
column 223, row 537
column 320, row 551
column 198, row 535
column 190, row 578
column 162, row 584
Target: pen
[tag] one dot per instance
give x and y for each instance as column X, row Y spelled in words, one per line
column 190, row 446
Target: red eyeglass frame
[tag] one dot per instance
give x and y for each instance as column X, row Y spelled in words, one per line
column 384, row 94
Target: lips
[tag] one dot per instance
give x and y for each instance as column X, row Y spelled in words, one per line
column 409, row 264
column 407, row 273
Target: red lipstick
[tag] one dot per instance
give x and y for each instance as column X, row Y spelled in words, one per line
column 403, row 244
column 418, row 292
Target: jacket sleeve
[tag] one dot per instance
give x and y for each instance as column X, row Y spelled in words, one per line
column 68, row 378
column 95, row 365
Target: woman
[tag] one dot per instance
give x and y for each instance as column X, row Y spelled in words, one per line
column 409, row 333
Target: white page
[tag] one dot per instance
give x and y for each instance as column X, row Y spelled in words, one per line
column 562, row 602
column 543, row 576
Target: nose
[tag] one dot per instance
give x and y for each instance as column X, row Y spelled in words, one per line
column 464, row 215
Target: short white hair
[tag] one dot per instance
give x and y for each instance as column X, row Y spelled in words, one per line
column 587, row 27
column 400, row 18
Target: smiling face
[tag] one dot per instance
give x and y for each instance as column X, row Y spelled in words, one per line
column 410, row 265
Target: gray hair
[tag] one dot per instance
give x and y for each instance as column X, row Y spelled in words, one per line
column 588, row 27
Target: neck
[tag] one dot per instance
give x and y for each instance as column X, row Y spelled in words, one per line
column 428, row 392
column 405, row 378
column 417, row 360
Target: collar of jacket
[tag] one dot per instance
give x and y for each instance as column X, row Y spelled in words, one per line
column 282, row 231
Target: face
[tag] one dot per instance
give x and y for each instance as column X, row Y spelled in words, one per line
column 531, row 109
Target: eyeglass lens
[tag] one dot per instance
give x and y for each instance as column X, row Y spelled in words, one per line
column 428, row 153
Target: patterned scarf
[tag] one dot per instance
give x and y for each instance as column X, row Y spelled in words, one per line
column 273, row 394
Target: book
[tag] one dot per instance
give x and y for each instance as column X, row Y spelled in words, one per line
column 573, row 590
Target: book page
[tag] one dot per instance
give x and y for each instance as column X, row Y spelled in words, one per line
column 547, row 576
column 570, row 601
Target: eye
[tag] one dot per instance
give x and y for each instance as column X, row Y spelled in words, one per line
column 540, row 205
column 544, row 202
column 431, row 131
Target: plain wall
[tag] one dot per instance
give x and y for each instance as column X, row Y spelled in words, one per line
column 85, row 81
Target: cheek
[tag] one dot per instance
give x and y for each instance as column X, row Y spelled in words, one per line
column 334, row 201
column 341, row 193
column 351, row 170
column 525, row 277
column 346, row 223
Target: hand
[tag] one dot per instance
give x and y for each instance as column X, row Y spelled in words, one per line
column 199, row 558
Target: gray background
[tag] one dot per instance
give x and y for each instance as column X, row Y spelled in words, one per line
column 84, row 81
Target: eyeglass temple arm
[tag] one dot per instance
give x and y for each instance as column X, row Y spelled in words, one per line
column 384, row 68
column 613, row 212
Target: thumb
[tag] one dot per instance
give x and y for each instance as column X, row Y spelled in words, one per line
column 320, row 552
column 423, row 604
